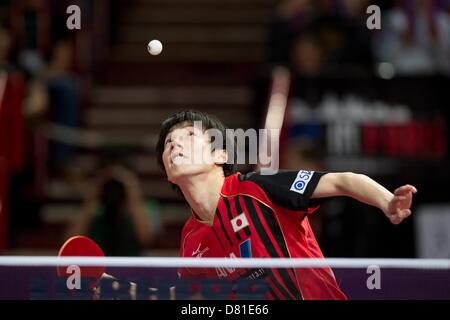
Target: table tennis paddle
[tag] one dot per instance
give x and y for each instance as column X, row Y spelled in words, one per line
column 81, row 246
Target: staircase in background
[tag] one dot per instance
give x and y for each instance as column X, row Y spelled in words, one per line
column 212, row 52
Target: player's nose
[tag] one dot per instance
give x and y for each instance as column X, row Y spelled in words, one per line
column 176, row 144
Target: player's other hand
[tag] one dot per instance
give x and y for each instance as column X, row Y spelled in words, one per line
column 399, row 207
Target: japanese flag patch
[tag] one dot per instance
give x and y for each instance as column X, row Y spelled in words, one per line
column 239, row 222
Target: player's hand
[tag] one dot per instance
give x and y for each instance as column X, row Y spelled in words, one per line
column 399, row 207
column 127, row 177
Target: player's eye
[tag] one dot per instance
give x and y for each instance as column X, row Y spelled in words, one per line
column 168, row 141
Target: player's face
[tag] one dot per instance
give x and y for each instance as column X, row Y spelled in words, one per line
column 187, row 152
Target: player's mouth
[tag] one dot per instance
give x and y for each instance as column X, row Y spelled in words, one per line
column 177, row 157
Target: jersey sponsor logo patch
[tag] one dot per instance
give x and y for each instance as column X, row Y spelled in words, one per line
column 239, row 222
column 301, row 181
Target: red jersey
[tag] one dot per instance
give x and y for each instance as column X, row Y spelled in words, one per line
column 263, row 216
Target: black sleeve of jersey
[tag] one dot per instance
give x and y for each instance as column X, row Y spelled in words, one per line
column 285, row 187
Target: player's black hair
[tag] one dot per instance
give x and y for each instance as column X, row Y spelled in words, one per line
column 208, row 122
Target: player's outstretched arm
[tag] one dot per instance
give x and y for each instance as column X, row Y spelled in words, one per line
column 396, row 206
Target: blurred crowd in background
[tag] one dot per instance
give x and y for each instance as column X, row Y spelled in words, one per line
column 319, row 37
column 371, row 101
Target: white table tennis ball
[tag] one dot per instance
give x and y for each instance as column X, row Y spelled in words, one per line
column 154, row 47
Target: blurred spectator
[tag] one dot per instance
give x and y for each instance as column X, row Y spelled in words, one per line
column 335, row 31
column 46, row 56
column 307, row 56
column 63, row 99
column 13, row 150
column 303, row 153
column 415, row 38
column 31, row 25
column 357, row 47
column 25, row 103
column 115, row 214
column 291, row 16
column 340, row 26
column 36, row 98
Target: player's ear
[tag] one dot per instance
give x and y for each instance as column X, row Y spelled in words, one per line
column 220, row 156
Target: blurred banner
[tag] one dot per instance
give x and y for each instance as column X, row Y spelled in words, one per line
column 432, row 228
